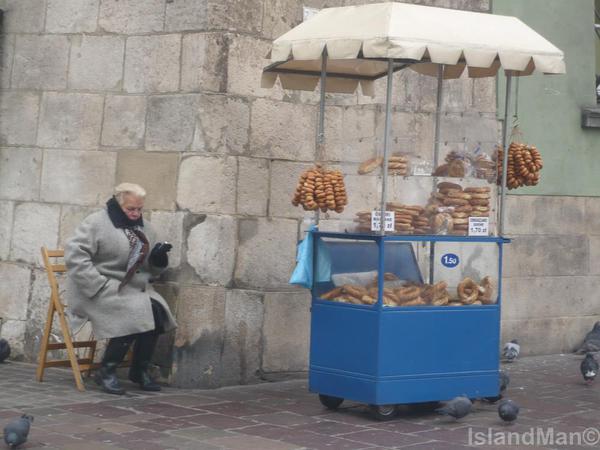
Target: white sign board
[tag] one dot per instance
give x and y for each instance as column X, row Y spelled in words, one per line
column 376, row 221
column 479, row 226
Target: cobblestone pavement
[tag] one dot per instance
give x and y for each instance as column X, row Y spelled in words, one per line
column 284, row 415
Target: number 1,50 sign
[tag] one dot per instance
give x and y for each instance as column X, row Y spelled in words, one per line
column 450, row 260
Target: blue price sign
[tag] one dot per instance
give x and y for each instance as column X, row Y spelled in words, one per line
column 450, row 260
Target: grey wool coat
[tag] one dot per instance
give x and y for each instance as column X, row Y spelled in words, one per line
column 96, row 259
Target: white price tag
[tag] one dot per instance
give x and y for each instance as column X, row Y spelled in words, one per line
column 479, row 226
column 389, row 221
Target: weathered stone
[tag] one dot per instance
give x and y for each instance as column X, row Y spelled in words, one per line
column 283, row 130
column 280, row 17
column 203, row 62
column 481, row 128
column 484, row 94
column 20, row 173
column 452, row 128
column 6, row 222
column 90, row 181
column 152, row 63
column 243, row 16
column 19, row 111
column 169, row 227
column 207, row 184
column 425, row 136
column 266, row 253
column 172, row 122
column 537, row 215
column 35, row 225
column 243, row 337
column 199, row 338
column 457, row 94
column 131, row 16
column 23, row 16
column 404, row 133
column 182, row 15
column 96, row 62
column 156, row 172
column 211, row 249
column 224, row 125
column 124, row 121
column 14, row 295
column 70, row 120
column 252, row 186
column 349, row 133
column 284, row 178
column 405, row 91
column 286, row 331
column 7, row 52
column 70, row 218
column 40, row 62
column 363, row 192
column 72, row 16
column 14, row 332
column 594, row 254
column 548, row 255
column 245, row 61
column 592, row 215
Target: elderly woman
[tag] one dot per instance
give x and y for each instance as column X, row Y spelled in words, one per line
column 110, row 262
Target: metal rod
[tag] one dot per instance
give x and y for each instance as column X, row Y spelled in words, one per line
column 504, row 146
column 386, row 140
column 320, row 138
column 436, row 152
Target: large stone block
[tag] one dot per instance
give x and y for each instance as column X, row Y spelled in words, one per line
column 284, row 179
column 484, row 94
column 157, row 172
column 169, row 227
column 72, row 16
column 481, row 128
column 172, row 121
column 364, row 193
column 70, row 218
column 14, row 295
column 283, row 130
column 203, row 62
column 70, row 120
column 19, row 111
column 7, row 52
column 90, row 181
column 527, row 214
column 404, row 132
column 594, row 255
column 20, row 173
column 266, row 252
column 592, row 214
column 548, row 255
column 40, row 62
column 23, row 16
column 243, row 16
column 350, row 133
column 211, row 249
column 131, row 16
column 252, row 186
column 245, row 61
column 207, row 184
column 152, row 63
column 405, row 91
column 96, row 62
column 6, row 222
column 124, row 121
column 182, row 15
column 199, row 338
column 14, row 332
column 35, row 225
column 452, row 128
column 280, row 17
column 243, row 337
column 286, row 331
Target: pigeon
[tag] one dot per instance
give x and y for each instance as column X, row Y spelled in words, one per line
column 4, row 350
column 503, row 381
column 511, row 350
column 15, row 433
column 589, row 368
column 508, row 411
column 457, row 407
column 591, row 342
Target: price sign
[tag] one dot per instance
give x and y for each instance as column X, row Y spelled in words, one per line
column 389, row 220
column 450, row 260
column 479, row 226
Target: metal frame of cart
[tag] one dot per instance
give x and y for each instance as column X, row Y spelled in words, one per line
column 343, row 48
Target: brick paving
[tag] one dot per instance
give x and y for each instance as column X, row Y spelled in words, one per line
column 285, row 416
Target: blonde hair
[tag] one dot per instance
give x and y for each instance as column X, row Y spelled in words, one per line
column 129, row 188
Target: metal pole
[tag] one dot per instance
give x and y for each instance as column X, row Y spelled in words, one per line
column 504, row 146
column 436, row 151
column 320, row 138
column 386, row 140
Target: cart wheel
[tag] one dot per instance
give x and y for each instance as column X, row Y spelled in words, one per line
column 330, row 402
column 383, row 412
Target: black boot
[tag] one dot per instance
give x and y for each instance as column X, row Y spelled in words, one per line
column 142, row 356
column 106, row 376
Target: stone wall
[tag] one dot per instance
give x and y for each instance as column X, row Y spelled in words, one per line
column 166, row 93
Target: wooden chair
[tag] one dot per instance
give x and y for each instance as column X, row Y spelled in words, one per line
column 78, row 365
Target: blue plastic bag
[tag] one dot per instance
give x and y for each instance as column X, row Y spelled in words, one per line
column 303, row 273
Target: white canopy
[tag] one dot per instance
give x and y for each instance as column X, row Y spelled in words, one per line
column 360, row 39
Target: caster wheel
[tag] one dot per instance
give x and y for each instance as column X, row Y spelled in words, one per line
column 492, row 400
column 383, row 412
column 330, row 402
